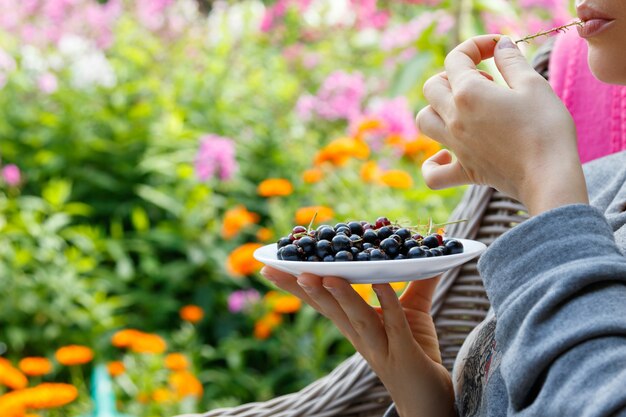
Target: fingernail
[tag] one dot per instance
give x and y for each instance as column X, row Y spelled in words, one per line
column 330, row 289
column 267, row 275
column 505, row 42
column 304, row 286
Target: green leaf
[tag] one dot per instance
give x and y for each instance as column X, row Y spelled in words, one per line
column 160, row 199
column 56, row 192
column 409, row 75
column 140, row 219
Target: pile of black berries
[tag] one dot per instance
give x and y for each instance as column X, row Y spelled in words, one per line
column 362, row 241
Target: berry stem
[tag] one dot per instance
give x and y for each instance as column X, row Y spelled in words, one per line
column 550, row 31
column 311, row 224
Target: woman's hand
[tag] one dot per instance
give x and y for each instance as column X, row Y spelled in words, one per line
column 398, row 340
column 518, row 139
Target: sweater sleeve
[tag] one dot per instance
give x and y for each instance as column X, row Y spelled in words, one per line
column 557, row 283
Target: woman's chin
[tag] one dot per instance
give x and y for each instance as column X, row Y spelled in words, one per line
column 610, row 71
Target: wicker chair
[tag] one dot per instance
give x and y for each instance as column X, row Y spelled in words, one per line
column 460, row 303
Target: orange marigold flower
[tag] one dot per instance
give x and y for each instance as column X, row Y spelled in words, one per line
column 148, row 343
column 235, row 219
column 395, row 140
column 74, row 355
column 116, row 368
column 10, row 376
column 396, row 178
column 47, row 395
column 176, row 362
column 184, row 384
column 421, row 148
column 313, row 175
column 124, row 338
column 304, row 215
column 264, row 326
column 274, row 187
column 35, row 366
column 368, row 125
column 162, row 395
column 241, row 262
column 191, row 313
column 282, row 303
column 370, row 172
column 264, row 234
column 340, row 151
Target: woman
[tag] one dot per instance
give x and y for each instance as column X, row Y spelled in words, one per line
column 555, row 343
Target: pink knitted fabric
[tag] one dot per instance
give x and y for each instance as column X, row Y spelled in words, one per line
column 599, row 109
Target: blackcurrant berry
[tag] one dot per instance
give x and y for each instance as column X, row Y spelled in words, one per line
column 344, row 229
column 399, row 257
column 370, row 236
column 283, row 241
column 367, row 246
column 313, row 258
column 397, row 238
column 355, row 251
column 363, row 256
column 431, row 241
column 307, row 244
column 291, row 253
column 390, row 246
column 408, row 244
column 326, row 233
column 343, row 256
column 329, row 258
column 298, row 229
column 338, row 225
column 444, row 249
column 384, row 232
column 416, row 252
column 323, row 248
column 436, row 252
column 382, row 221
column 341, row 243
column 356, row 228
column 455, row 246
column 378, row 255
column 403, row 233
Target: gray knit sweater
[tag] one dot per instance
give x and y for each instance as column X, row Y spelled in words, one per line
column 554, row 343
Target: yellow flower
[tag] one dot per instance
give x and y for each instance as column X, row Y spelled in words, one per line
column 162, row 395
column 313, row 175
column 236, row 219
column 340, row 151
column 74, row 355
column 282, row 303
column 264, row 234
column 264, row 326
column 148, row 343
column 35, row 366
column 184, row 384
column 240, row 262
column 10, row 376
column 191, row 313
column 368, row 125
column 370, row 172
column 275, row 187
column 116, row 368
column 47, row 395
column 124, row 338
column 304, row 215
column 421, row 148
column 396, row 178
column 176, row 362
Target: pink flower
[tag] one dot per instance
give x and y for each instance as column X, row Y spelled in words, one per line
column 339, row 97
column 47, row 83
column 11, row 174
column 397, row 117
column 216, row 157
column 241, row 300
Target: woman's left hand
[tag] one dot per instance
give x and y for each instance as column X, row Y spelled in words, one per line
column 398, row 339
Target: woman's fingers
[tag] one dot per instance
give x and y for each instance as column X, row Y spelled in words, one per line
column 363, row 318
column 288, row 282
column 431, row 124
column 440, row 171
column 394, row 320
column 419, row 294
column 438, row 93
column 461, row 61
column 328, row 305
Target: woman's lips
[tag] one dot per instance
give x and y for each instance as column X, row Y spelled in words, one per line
column 593, row 27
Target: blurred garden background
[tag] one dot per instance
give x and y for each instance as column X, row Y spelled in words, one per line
column 148, row 147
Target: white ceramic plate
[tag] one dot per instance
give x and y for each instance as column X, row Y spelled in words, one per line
column 374, row 272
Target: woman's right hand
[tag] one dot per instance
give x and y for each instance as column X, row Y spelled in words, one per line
column 398, row 339
column 519, row 139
